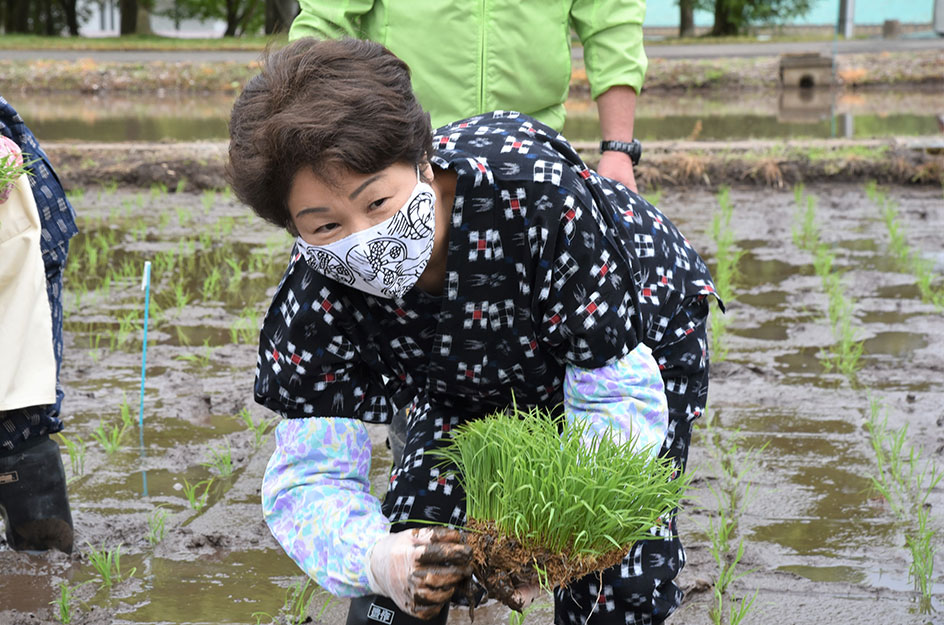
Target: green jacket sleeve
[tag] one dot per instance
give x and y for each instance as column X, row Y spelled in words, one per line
column 330, row 19
column 611, row 33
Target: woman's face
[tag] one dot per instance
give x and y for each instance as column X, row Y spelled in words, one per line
column 323, row 213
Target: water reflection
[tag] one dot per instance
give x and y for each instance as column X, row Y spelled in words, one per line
column 761, row 115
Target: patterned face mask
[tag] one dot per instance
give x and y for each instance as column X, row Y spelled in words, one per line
column 386, row 259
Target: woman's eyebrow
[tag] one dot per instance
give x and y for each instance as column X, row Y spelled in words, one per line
column 311, row 209
column 364, row 185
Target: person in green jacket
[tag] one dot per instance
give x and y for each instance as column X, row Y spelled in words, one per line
column 473, row 57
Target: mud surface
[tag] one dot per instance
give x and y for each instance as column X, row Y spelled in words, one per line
column 775, row 164
column 820, row 546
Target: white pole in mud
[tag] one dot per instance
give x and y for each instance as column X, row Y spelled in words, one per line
column 146, row 287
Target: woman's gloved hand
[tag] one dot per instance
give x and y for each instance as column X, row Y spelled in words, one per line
column 420, row 569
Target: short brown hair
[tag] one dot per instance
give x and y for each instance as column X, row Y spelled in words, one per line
column 324, row 104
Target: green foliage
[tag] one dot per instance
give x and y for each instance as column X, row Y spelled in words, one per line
column 734, row 17
column 566, row 492
column 731, row 495
column 156, row 521
column 109, row 438
column 241, row 16
column 76, row 450
column 221, row 459
column 63, row 604
column 197, row 501
column 907, row 258
column 10, row 170
column 845, row 354
column 107, row 563
column 296, row 606
column 259, row 430
column 725, row 272
column 906, row 480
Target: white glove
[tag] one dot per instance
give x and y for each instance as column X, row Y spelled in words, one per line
column 419, row 569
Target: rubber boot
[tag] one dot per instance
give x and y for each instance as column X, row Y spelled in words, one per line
column 33, row 499
column 378, row 610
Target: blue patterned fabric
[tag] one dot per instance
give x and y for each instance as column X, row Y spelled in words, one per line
column 58, row 221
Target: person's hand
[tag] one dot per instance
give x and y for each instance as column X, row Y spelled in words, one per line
column 619, row 167
column 420, row 569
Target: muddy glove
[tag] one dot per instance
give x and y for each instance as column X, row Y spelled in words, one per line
column 420, row 568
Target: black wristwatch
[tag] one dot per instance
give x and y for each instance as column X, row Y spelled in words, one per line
column 633, row 148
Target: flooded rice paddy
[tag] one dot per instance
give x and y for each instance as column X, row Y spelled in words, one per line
column 820, row 545
column 820, row 113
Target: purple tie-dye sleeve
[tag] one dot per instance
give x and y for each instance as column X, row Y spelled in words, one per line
column 316, row 500
column 626, row 397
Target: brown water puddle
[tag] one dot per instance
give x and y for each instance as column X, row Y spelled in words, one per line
column 820, row 545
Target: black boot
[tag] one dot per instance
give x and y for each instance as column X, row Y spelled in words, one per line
column 377, row 610
column 33, row 499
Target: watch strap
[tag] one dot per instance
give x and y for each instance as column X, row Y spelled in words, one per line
column 632, row 148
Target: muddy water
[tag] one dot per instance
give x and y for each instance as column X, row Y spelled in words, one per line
column 766, row 114
column 820, row 544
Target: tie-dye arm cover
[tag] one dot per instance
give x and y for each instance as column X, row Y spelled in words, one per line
column 627, row 396
column 316, row 500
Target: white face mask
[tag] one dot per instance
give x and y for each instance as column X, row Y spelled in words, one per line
column 386, row 259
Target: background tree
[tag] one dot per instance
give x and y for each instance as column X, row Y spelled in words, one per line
column 128, row 10
column 241, row 16
column 42, row 17
column 735, row 17
column 279, row 15
column 686, row 18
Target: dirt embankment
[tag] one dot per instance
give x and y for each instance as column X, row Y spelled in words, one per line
column 913, row 68
column 704, row 164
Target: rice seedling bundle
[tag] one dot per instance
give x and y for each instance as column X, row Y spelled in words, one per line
column 549, row 502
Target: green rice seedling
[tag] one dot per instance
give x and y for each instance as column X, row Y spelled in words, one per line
column 806, row 234
column 221, row 459
column 207, row 199
column 201, row 359
column 259, row 430
column 107, row 189
column 163, row 220
column 183, row 215
column 107, row 563
column 181, row 296
column 236, row 278
column 224, row 226
column 906, row 481
column 246, row 327
column 654, row 197
column 212, row 284
column 296, row 606
column 156, row 525
column 566, row 492
column 197, row 501
column 725, row 273
column 75, row 194
column 109, row 438
column 519, row 618
column 76, row 450
column 181, row 185
column 63, row 604
column 158, row 189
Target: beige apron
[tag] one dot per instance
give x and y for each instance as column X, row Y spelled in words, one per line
column 27, row 361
